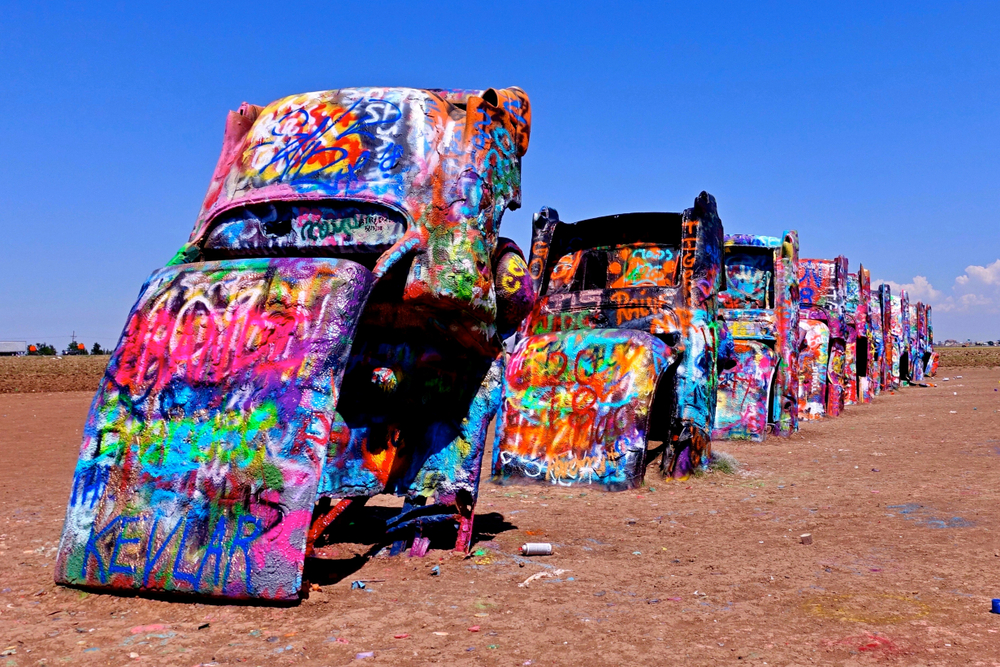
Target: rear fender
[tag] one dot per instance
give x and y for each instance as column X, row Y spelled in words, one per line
column 697, row 378
column 206, row 440
column 814, row 357
column 575, row 407
column 744, row 393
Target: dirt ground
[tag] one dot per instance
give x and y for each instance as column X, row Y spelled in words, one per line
column 901, row 498
column 57, row 374
column 46, row 374
column 969, row 357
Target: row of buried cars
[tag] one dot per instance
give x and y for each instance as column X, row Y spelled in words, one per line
column 334, row 328
column 656, row 333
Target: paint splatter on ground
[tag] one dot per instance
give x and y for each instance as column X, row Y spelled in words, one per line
column 720, row 576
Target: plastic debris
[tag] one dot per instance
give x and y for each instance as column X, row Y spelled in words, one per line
column 357, row 584
column 365, row 654
column 436, row 570
column 806, row 538
column 402, row 635
column 474, row 628
column 996, row 606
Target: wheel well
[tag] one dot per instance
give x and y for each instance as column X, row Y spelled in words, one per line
column 661, row 408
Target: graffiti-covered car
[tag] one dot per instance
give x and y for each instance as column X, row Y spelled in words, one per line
column 857, row 370
column 914, row 366
column 896, row 331
column 930, row 357
column 620, row 349
column 876, row 343
column 331, row 330
column 760, row 308
column 822, row 336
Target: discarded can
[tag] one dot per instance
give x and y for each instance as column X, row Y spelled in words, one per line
column 996, row 606
column 536, row 549
column 806, row 538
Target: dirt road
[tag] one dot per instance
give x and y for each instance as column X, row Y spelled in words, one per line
column 901, row 498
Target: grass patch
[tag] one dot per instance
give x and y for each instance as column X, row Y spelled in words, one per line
column 724, row 463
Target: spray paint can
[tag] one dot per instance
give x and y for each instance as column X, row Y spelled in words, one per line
column 536, row 549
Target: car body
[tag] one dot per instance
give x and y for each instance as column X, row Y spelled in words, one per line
column 760, row 308
column 889, row 342
column 897, row 330
column 330, row 331
column 620, row 349
column 876, row 343
column 823, row 336
column 915, row 371
column 858, row 352
column 930, row 358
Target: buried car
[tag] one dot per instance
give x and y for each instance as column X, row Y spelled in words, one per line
column 915, row 367
column 930, row 357
column 897, row 331
column 331, row 330
column 876, row 343
column 857, row 370
column 889, row 345
column 619, row 350
column 822, row 330
column 760, row 308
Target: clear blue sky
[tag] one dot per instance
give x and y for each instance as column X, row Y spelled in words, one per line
column 873, row 130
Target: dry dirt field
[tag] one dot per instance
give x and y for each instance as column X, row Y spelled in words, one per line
column 969, row 357
column 52, row 374
column 901, row 497
column 46, row 374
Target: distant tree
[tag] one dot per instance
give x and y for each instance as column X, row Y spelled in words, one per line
column 97, row 349
column 45, row 349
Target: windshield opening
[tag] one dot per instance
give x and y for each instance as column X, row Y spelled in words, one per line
column 323, row 228
column 749, row 278
column 624, row 266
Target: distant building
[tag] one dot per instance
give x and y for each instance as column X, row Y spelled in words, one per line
column 13, row 348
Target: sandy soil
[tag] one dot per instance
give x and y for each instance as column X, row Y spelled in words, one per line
column 901, row 498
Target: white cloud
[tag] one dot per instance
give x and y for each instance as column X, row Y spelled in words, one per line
column 975, row 291
column 988, row 275
column 967, row 302
column 918, row 290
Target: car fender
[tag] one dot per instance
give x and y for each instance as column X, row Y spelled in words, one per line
column 576, row 406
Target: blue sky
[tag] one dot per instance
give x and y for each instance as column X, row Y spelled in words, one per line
column 872, row 129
